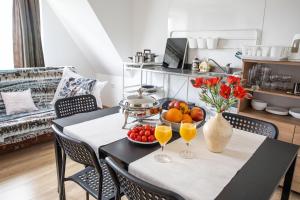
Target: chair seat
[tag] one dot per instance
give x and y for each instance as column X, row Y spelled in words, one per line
column 89, row 180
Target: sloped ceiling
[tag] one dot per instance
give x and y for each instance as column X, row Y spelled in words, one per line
column 103, row 48
column 59, row 48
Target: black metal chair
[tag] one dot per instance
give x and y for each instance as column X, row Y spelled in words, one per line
column 134, row 188
column 95, row 178
column 72, row 105
column 252, row 125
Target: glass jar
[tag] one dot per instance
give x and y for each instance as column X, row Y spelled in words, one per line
column 195, row 64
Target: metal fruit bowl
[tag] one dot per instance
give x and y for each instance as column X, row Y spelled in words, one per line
column 176, row 126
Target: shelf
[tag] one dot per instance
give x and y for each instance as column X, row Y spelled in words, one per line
column 289, row 63
column 161, row 70
column 268, row 116
column 274, row 92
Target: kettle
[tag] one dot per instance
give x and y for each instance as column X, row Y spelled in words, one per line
column 295, row 51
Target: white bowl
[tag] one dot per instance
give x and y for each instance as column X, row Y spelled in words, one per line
column 277, row 110
column 258, row 104
column 295, row 112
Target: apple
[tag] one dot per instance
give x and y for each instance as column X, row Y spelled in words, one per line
column 171, row 104
column 177, row 105
column 197, row 114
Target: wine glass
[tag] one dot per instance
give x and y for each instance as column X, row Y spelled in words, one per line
column 163, row 133
column 187, row 132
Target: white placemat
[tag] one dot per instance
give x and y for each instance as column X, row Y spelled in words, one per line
column 203, row 177
column 98, row 132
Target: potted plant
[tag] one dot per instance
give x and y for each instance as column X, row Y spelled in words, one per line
column 220, row 94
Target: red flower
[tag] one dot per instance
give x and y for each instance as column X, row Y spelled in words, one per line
column 198, row 82
column 239, row 92
column 233, row 80
column 225, row 91
column 211, row 82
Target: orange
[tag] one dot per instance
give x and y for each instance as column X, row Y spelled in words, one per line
column 186, row 119
column 173, row 115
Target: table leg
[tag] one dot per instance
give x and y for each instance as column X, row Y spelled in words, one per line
column 58, row 159
column 288, row 181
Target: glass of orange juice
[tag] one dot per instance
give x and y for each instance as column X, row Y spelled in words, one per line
column 188, row 133
column 163, row 134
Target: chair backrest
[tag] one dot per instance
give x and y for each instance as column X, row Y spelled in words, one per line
column 77, row 150
column 73, row 105
column 136, row 189
column 252, row 125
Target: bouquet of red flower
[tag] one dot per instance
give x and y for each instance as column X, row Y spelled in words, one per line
column 219, row 93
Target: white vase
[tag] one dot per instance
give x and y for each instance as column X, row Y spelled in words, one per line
column 217, row 133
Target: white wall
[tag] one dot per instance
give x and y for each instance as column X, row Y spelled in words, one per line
column 58, row 46
column 128, row 26
column 149, row 30
column 281, row 22
column 150, row 25
column 6, row 40
column 116, row 18
column 276, row 18
column 87, row 32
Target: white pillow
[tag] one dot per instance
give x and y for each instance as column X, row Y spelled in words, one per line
column 97, row 92
column 18, row 102
column 67, row 73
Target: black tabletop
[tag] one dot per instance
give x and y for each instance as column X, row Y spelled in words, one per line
column 128, row 152
column 261, row 174
column 257, row 179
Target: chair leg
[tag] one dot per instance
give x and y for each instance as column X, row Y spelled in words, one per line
column 87, row 196
column 62, row 195
column 58, row 158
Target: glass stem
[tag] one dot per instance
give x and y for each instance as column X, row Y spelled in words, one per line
column 162, row 148
column 187, row 147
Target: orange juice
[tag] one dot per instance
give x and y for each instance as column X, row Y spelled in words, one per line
column 187, row 131
column 163, row 134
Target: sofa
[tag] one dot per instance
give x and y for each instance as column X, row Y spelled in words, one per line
column 25, row 129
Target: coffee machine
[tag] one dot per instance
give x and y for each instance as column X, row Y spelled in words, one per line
column 295, row 51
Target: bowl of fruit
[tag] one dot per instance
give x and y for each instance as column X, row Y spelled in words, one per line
column 181, row 112
column 142, row 134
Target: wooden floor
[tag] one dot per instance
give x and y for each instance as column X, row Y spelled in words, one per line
column 30, row 174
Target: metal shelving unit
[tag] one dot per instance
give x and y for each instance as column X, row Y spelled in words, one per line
column 155, row 68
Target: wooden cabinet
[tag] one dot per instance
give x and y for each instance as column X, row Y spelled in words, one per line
column 296, row 182
column 296, row 139
column 286, row 131
column 289, row 127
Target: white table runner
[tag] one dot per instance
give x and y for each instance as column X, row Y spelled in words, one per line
column 203, row 177
column 98, row 132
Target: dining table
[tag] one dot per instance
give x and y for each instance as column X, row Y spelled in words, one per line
column 253, row 168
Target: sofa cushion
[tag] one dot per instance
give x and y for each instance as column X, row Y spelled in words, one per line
column 23, row 123
column 18, row 102
column 42, row 81
column 73, row 84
